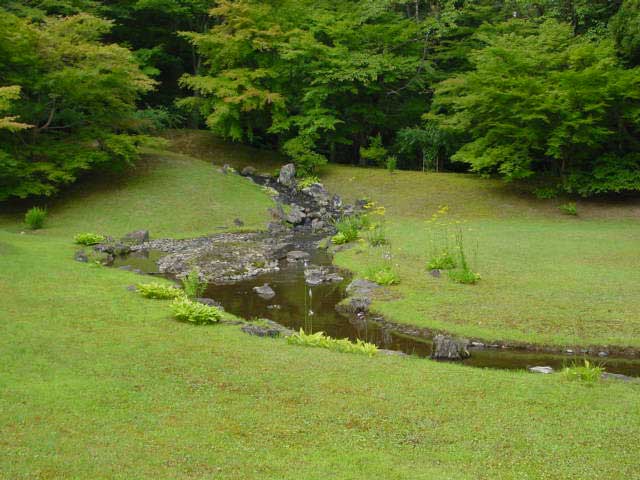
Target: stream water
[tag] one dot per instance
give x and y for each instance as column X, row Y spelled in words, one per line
column 297, row 305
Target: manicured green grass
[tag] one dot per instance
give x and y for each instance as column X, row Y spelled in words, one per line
column 98, row 382
column 546, row 278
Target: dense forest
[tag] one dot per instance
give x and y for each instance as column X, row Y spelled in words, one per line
column 544, row 91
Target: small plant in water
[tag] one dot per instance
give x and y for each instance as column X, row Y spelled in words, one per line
column 193, row 286
column 88, row 239
column 35, row 217
column 319, row 339
column 586, row 372
column 159, row 291
column 569, row 208
column 187, row 310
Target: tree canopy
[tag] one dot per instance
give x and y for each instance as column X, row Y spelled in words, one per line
column 542, row 91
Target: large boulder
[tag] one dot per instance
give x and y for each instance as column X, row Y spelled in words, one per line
column 318, row 193
column 287, row 175
column 449, row 348
column 139, row 236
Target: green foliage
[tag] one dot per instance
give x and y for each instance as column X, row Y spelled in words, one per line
column 443, row 261
column 193, row 286
column 569, row 208
column 187, row 310
column 377, row 235
column 320, row 340
column 35, row 217
column 349, row 228
column 391, row 163
column 76, row 98
column 382, row 275
column 464, row 276
column 88, row 239
column 587, row 372
column 159, row 291
column 543, row 100
column 625, row 27
column 306, row 160
column 375, row 153
column 307, row 181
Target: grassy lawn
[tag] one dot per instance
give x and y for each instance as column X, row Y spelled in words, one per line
column 546, row 277
column 97, row 382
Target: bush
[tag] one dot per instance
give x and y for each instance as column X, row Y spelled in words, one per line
column 569, row 209
column 321, row 340
column 349, row 228
column 35, row 217
column 186, row 310
column 392, row 164
column 444, row 261
column 464, row 276
column 586, row 372
column 307, row 181
column 159, row 291
column 382, row 275
column 193, row 286
column 339, row 239
column 88, row 239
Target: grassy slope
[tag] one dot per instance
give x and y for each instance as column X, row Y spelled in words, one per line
column 547, row 278
column 98, row 383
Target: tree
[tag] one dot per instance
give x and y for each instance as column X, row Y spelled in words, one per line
column 77, row 94
column 543, row 101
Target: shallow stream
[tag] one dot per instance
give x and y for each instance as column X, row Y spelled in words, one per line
column 297, row 305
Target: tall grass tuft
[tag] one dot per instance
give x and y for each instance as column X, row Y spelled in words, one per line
column 35, row 217
column 193, row 286
column 587, row 372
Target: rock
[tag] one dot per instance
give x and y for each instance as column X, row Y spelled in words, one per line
column 603, row 354
column 287, row 175
column 80, row 256
column 336, row 202
column 126, row 268
column 296, row 216
column 542, row 370
column 265, row 291
column 318, row 193
column 132, row 288
column 435, row 273
column 297, row 256
column 226, row 168
column 248, row 171
column 139, row 236
column 449, row 348
column 617, row 376
column 362, row 288
column 238, row 223
column 317, row 225
column 477, row 345
column 113, row 248
column 261, row 331
column 276, row 228
column 210, row 302
column 318, row 275
column 353, row 305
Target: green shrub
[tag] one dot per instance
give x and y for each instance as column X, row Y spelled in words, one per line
column 464, row 276
column 444, row 261
column 384, row 275
column 321, row 340
column 349, row 228
column 193, row 286
column 392, row 164
column 307, row 181
column 376, row 236
column 569, row 208
column 159, row 291
column 35, row 217
column 88, row 239
column 586, row 372
column 187, row 310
